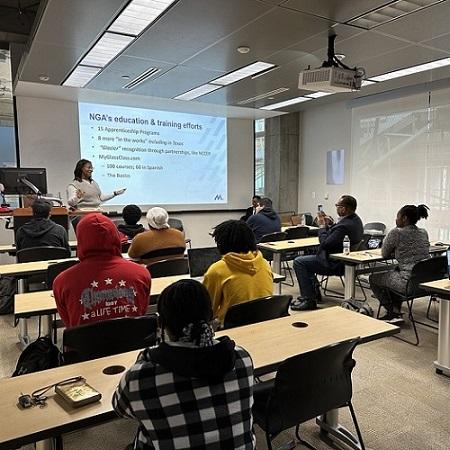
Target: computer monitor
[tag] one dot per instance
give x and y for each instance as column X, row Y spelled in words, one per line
column 11, row 178
column 200, row 259
column 448, row 262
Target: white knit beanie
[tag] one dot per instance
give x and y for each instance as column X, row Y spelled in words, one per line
column 158, row 218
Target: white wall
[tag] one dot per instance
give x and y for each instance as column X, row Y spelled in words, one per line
column 323, row 128
column 49, row 137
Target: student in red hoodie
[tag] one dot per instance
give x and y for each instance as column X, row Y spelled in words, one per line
column 103, row 285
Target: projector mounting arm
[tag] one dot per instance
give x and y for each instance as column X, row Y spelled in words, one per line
column 36, row 191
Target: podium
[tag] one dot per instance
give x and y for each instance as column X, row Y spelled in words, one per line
column 21, row 216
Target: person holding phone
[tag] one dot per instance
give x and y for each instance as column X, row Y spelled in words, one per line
column 84, row 192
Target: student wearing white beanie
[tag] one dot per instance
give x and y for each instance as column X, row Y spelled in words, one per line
column 159, row 242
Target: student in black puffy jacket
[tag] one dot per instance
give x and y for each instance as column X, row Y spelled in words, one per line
column 131, row 215
column 265, row 221
column 331, row 241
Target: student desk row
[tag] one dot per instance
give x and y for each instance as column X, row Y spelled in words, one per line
column 269, row 343
column 42, row 303
column 11, row 248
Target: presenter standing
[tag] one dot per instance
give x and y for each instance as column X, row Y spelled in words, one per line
column 84, row 192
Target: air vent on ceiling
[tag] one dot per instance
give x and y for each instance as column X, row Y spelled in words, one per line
column 144, row 76
column 261, row 96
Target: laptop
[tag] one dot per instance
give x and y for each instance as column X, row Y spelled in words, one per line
column 200, row 259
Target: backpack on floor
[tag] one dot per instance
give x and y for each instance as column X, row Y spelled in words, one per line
column 358, row 306
column 41, row 354
column 7, row 292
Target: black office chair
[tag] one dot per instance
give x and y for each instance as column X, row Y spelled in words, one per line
column 258, row 310
column 293, row 233
column 125, row 246
column 430, row 269
column 42, row 253
column 298, row 232
column 375, row 228
column 109, row 337
column 271, row 237
column 168, row 267
column 164, row 253
column 176, row 223
column 306, row 386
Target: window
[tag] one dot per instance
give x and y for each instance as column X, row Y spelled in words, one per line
column 7, row 133
column 259, row 157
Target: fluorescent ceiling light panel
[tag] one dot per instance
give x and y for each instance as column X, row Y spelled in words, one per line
column 367, row 83
column 318, row 94
column 392, row 11
column 81, row 76
column 411, row 70
column 197, row 92
column 138, row 15
column 292, row 101
column 106, row 49
column 144, row 76
column 244, row 72
column 261, row 96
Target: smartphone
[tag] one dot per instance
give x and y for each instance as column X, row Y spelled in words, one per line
column 320, row 208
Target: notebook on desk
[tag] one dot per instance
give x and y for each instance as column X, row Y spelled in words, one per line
column 200, row 259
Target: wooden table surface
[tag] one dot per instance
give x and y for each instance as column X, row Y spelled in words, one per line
column 291, row 244
column 267, row 342
column 438, row 286
column 10, row 248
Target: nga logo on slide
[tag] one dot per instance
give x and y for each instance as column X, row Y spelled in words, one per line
column 218, row 197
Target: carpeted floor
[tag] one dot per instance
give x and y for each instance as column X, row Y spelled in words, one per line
column 399, row 400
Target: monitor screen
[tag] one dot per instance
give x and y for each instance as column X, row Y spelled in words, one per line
column 11, row 179
column 201, row 258
column 448, row 262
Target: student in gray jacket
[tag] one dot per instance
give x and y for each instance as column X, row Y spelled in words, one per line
column 408, row 244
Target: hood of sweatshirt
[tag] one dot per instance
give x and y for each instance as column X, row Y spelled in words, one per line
column 195, row 362
column 250, row 262
column 37, row 227
column 269, row 213
column 96, row 236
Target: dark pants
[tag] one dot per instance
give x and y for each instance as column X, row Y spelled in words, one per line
column 306, row 268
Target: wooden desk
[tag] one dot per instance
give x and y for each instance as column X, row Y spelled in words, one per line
column 354, row 259
column 11, row 249
column 268, row 343
column 442, row 289
column 280, row 247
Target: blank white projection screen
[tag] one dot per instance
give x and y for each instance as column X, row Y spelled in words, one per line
column 160, row 157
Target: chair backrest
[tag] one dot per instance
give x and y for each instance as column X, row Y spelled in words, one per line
column 168, row 267
column 272, row 237
column 429, row 269
column 311, row 384
column 374, row 228
column 201, row 258
column 176, row 223
column 55, row 269
column 258, row 310
column 43, row 253
column 297, row 233
column 109, row 337
column 125, row 246
column 165, row 252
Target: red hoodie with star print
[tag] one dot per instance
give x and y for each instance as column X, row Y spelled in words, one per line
column 103, row 285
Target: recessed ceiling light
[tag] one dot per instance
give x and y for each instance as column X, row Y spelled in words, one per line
column 106, row 49
column 243, row 72
column 138, row 15
column 292, row 101
column 197, row 92
column 81, row 76
column 44, row 77
column 390, row 12
column 243, row 49
column 411, row 70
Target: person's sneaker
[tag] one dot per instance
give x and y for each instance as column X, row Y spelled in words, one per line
column 304, row 305
column 296, row 302
column 396, row 320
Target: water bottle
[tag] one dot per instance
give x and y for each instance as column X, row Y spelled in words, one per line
column 346, row 245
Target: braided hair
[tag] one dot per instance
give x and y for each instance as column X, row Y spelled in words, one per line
column 185, row 309
column 414, row 213
column 234, row 236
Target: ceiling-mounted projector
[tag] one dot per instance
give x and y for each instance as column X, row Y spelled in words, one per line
column 333, row 76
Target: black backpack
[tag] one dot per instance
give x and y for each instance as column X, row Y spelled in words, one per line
column 41, row 354
column 7, row 291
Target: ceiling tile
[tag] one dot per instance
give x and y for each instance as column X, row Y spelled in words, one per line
column 441, row 42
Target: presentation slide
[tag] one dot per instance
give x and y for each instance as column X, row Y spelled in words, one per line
column 160, row 157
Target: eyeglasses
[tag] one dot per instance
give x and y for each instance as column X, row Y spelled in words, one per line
column 339, row 206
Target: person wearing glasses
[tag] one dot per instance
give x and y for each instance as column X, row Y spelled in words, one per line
column 331, row 238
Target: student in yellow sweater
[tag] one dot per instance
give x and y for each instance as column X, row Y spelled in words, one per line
column 159, row 242
column 242, row 274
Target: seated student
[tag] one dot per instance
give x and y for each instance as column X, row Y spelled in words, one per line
column 242, row 274
column 103, row 285
column 408, row 244
column 41, row 230
column 159, row 242
column 265, row 221
column 191, row 391
column 131, row 214
column 252, row 209
column 331, row 241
